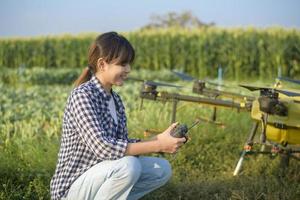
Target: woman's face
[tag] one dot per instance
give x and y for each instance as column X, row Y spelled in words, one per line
column 114, row 74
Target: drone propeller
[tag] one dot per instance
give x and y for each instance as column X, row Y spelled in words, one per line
column 153, row 83
column 252, row 88
column 289, row 80
column 287, row 93
column 187, row 77
column 183, row 76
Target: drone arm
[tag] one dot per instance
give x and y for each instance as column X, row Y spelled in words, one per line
column 213, row 102
column 165, row 96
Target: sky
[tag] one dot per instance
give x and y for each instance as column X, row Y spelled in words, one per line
column 54, row 17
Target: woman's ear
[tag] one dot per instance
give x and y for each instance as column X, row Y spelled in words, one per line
column 100, row 64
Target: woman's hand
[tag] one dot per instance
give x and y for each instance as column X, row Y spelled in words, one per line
column 168, row 143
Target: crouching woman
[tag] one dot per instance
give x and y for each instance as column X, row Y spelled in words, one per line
column 96, row 159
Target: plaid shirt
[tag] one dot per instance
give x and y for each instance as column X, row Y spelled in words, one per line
column 89, row 134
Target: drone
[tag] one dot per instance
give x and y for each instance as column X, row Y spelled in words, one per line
column 277, row 112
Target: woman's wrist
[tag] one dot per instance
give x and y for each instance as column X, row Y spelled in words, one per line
column 158, row 146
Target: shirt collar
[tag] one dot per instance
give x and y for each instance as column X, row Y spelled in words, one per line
column 99, row 86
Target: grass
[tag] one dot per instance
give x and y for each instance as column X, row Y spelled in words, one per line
column 31, row 109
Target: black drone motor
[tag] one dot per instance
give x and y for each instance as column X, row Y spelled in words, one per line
column 148, row 91
column 198, row 86
column 269, row 103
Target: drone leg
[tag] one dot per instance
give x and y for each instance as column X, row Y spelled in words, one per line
column 284, row 162
column 141, row 105
column 249, row 144
column 239, row 164
column 264, row 121
column 263, row 136
column 214, row 115
column 174, row 111
column 285, row 158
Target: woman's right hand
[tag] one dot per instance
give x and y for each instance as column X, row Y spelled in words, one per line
column 168, row 143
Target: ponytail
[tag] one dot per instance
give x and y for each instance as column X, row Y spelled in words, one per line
column 85, row 76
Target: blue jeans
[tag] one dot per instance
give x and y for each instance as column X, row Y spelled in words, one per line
column 127, row 178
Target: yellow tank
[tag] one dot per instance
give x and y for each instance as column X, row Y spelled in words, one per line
column 283, row 136
column 290, row 124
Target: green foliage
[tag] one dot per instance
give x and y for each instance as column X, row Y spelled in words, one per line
column 186, row 19
column 30, row 126
column 243, row 53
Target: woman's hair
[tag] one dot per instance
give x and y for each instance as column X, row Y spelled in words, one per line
column 110, row 46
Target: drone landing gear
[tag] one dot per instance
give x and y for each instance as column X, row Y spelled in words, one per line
column 282, row 150
column 247, row 148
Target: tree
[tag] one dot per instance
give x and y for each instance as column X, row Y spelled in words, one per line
column 172, row 19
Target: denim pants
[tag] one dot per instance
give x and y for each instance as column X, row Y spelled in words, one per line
column 127, row 178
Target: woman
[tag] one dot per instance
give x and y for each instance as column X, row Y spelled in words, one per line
column 97, row 160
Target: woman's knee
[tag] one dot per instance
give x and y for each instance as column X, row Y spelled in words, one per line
column 166, row 168
column 130, row 167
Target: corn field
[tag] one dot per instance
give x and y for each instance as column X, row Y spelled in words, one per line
column 242, row 53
